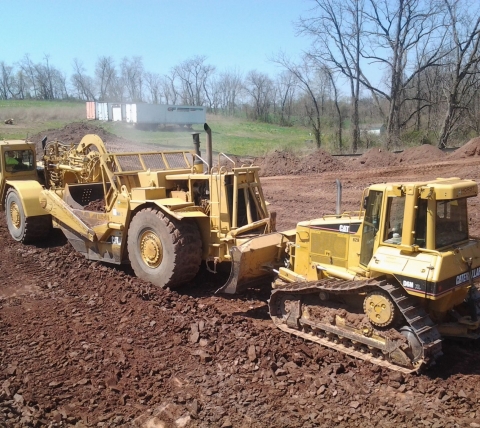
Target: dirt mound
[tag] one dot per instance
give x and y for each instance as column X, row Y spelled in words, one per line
column 472, row 148
column 281, row 162
column 420, row 154
column 319, row 161
column 74, row 132
column 375, row 158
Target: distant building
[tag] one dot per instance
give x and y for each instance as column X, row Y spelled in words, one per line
column 376, row 129
column 147, row 114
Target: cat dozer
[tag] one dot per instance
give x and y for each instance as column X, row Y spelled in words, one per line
column 383, row 284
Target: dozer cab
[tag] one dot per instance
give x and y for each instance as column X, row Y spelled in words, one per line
column 159, row 210
column 384, row 283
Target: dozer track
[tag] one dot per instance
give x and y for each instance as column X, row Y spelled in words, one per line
column 406, row 353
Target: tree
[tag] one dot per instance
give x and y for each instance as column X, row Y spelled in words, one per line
column 460, row 82
column 259, row 86
column 306, row 74
column 396, row 30
column 337, row 31
column 132, row 77
column 106, row 75
column 153, row 82
column 7, row 81
column 286, row 89
column 170, row 92
column 230, row 87
column 193, row 75
column 28, row 68
column 82, row 83
column 329, row 73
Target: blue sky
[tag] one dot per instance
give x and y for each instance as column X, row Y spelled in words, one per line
column 239, row 34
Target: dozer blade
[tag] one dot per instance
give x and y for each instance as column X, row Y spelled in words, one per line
column 253, row 262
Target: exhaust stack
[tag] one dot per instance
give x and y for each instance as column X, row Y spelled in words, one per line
column 196, row 143
column 338, row 207
column 209, row 145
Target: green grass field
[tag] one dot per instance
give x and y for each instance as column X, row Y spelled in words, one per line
column 230, row 135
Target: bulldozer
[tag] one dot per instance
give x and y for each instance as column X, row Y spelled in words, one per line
column 164, row 212
column 386, row 283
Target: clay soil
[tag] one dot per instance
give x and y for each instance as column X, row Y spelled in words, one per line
column 89, row 345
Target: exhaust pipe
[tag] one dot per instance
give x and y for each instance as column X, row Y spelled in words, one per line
column 44, row 143
column 209, row 145
column 196, row 143
column 338, row 207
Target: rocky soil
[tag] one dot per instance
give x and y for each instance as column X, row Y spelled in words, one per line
column 86, row 344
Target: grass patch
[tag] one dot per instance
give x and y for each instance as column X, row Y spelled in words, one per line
column 230, row 135
column 33, row 116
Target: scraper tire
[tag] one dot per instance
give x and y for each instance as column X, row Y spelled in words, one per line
column 22, row 228
column 163, row 250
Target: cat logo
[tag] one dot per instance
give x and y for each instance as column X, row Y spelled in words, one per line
column 344, row 228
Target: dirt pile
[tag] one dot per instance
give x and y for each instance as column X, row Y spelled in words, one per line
column 74, row 132
column 375, row 158
column 419, row 155
column 472, row 148
column 319, row 161
column 278, row 162
column 282, row 162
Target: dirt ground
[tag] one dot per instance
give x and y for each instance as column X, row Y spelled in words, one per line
column 86, row 344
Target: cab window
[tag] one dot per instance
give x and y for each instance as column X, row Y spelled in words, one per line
column 394, row 223
column 19, row 160
column 421, row 224
column 373, row 207
column 451, row 224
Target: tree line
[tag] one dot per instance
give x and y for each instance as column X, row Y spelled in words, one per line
column 426, row 53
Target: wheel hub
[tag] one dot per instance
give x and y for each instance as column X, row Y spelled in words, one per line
column 15, row 215
column 151, row 249
column 379, row 309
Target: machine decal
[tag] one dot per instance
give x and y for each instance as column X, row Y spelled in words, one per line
column 430, row 288
column 465, row 277
column 342, row 228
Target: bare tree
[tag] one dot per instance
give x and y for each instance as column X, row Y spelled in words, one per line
column 153, row 82
column 464, row 73
column 28, row 68
column 169, row 89
column 230, row 87
column 336, row 30
column 193, row 75
column 259, row 86
column 21, row 85
column 336, row 95
column 7, row 81
column 286, row 85
column 82, row 83
column 50, row 83
column 106, row 75
column 396, row 29
column 306, row 74
column 132, row 75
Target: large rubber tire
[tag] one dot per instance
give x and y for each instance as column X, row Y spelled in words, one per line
column 163, row 250
column 22, row 228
